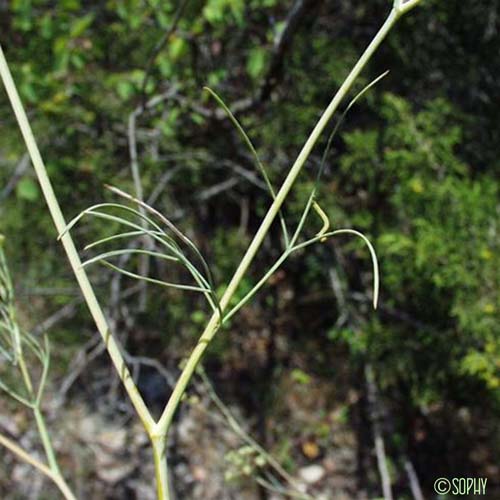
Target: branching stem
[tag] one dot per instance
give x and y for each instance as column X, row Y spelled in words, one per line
column 158, row 431
column 165, row 421
column 69, row 246
column 26, row 457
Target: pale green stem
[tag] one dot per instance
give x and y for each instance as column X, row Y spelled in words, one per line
column 158, row 431
column 238, row 429
column 282, row 491
column 159, row 444
column 318, row 238
column 164, row 423
column 40, row 421
column 71, row 252
column 24, row 370
column 63, row 487
column 47, row 443
column 257, row 286
column 26, row 457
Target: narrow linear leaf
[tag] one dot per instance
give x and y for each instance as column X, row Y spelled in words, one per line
column 375, row 266
column 128, row 251
column 154, row 281
column 252, row 149
column 177, row 232
column 321, row 169
column 325, row 220
column 128, row 234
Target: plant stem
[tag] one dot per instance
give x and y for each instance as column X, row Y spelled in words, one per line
column 244, row 435
column 63, row 487
column 24, row 371
column 47, row 444
column 158, row 431
column 159, row 444
column 69, row 246
column 214, row 322
column 258, row 286
column 40, row 421
column 26, row 457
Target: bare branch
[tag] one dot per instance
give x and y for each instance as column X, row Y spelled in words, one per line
column 19, row 171
column 159, row 47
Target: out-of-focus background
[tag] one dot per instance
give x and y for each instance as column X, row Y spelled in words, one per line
column 307, row 368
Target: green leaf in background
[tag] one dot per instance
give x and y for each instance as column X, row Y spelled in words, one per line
column 215, row 11
column 256, row 62
column 177, row 47
column 300, row 376
column 80, row 25
column 27, row 189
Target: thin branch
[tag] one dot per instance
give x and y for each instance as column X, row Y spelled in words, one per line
column 282, row 491
column 281, row 46
column 19, row 171
column 69, row 246
column 213, row 325
column 217, row 189
column 64, row 312
column 136, row 177
column 411, row 473
column 160, row 45
column 255, row 155
column 378, row 437
column 402, row 6
column 160, row 185
column 240, row 431
column 26, row 457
